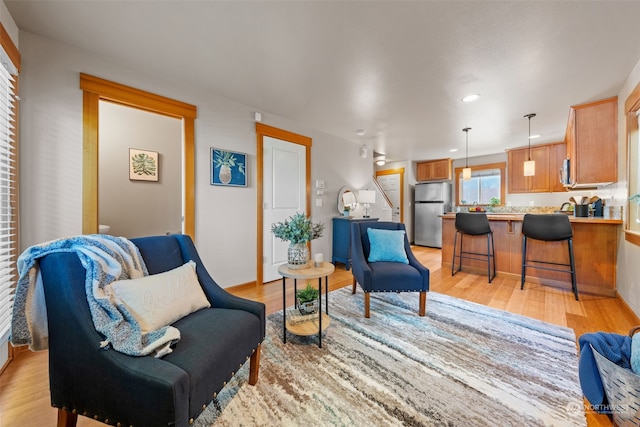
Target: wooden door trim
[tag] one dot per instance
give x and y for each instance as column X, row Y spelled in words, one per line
column 96, row 89
column 263, row 130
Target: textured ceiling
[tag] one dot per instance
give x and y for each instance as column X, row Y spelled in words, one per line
column 397, row 69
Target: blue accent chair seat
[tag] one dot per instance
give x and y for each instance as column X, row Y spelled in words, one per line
column 118, row 389
column 385, row 276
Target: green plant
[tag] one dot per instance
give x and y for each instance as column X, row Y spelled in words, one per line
column 227, row 158
column 308, row 294
column 494, row 201
column 143, row 164
column 297, row 229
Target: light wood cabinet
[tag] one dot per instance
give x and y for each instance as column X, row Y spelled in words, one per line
column 434, row 170
column 595, row 269
column 592, row 143
column 557, row 154
column 548, row 158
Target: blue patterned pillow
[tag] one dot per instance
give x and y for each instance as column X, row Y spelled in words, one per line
column 386, row 245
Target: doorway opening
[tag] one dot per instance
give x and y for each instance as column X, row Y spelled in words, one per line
column 96, row 89
column 262, row 133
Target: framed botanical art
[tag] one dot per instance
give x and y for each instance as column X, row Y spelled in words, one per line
column 143, row 165
column 228, row 168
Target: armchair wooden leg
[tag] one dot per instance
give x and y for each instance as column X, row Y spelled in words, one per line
column 423, row 304
column 367, row 302
column 254, row 366
column 66, row 418
column 353, row 289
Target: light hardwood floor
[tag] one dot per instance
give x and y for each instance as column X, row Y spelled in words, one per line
column 24, row 385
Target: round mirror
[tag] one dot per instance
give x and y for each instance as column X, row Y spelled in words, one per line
column 346, row 197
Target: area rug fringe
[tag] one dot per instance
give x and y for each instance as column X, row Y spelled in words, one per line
column 463, row 364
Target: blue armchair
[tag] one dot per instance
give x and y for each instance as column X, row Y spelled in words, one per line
column 115, row 388
column 385, row 276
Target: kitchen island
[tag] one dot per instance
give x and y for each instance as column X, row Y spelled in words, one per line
column 595, row 246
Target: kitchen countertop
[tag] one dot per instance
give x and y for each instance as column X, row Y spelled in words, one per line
column 516, row 216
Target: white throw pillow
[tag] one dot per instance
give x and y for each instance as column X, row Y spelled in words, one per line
column 160, row 299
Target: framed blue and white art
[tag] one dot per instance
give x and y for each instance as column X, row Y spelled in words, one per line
column 228, row 168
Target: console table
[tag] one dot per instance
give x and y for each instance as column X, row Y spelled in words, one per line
column 316, row 325
column 342, row 239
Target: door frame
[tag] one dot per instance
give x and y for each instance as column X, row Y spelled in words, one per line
column 95, row 89
column 399, row 171
column 263, row 130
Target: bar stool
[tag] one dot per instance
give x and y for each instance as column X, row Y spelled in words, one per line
column 548, row 228
column 473, row 224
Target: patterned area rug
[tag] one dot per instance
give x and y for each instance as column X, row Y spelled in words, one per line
column 463, row 364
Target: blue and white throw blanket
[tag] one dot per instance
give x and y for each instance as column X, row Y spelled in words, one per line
column 106, row 259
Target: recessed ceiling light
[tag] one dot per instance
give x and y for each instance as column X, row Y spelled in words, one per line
column 534, row 136
column 360, row 132
column 453, row 150
column 471, row 98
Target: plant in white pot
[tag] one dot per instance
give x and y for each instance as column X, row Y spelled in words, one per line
column 225, row 160
column 307, row 299
column 298, row 230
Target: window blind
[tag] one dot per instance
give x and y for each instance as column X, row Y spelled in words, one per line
column 8, row 196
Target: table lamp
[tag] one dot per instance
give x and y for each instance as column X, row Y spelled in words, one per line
column 366, row 197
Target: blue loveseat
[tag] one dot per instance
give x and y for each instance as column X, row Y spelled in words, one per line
column 118, row 389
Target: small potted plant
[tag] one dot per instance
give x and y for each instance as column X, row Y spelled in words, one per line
column 307, row 299
column 493, row 202
column 347, row 210
column 298, row 230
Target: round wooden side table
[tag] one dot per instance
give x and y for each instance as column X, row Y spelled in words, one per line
column 319, row 324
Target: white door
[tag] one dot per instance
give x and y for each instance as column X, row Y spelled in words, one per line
column 391, row 185
column 284, row 180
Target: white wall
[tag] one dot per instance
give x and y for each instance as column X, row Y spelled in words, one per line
column 51, row 157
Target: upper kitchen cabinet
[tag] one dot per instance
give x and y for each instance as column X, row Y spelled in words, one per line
column 592, row 144
column 548, row 158
column 434, row 170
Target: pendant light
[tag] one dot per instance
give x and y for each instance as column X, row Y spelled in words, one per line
column 466, row 172
column 530, row 165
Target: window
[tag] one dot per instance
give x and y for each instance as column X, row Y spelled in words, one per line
column 632, row 109
column 9, row 61
column 486, row 185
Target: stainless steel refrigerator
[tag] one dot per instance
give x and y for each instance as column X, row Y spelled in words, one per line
column 430, row 200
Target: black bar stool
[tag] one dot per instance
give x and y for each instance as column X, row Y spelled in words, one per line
column 473, row 224
column 548, row 228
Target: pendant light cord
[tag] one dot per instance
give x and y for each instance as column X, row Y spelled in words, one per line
column 466, row 161
column 529, row 116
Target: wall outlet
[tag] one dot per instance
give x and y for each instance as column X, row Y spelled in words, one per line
column 318, row 202
column 531, row 203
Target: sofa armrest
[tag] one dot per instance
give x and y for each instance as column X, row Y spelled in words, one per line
column 413, row 261
column 102, row 382
column 359, row 265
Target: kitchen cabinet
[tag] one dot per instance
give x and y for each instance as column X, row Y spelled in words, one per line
column 595, row 269
column 557, row 155
column 548, row 158
column 592, row 143
column 434, row 170
column 341, row 251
